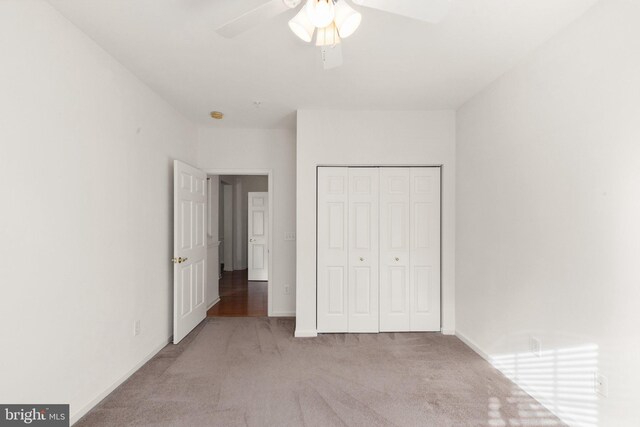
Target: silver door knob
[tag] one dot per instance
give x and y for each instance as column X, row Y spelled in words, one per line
column 397, row 259
column 361, row 259
column 178, row 260
column 252, row 240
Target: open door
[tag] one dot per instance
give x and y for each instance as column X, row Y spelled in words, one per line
column 258, row 228
column 189, row 248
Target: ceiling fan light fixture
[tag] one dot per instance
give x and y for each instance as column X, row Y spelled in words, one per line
column 302, row 26
column 321, row 13
column 328, row 36
column 347, row 19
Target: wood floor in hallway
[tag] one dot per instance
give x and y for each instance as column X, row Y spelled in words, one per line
column 239, row 297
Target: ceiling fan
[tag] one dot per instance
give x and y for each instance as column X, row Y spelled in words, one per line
column 331, row 20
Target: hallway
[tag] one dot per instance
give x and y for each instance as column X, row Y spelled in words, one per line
column 239, row 297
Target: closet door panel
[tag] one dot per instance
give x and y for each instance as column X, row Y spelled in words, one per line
column 378, row 249
column 332, row 270
column 363, row 249
column 395, row 293
column 425, row 249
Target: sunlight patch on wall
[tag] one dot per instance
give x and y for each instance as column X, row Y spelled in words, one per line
column 561, row 379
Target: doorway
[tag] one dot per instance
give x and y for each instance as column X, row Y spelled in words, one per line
column 243, row 218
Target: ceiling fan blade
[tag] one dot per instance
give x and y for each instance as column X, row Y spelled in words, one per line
column 331, row 56
column 252, row 18
column 432, row 11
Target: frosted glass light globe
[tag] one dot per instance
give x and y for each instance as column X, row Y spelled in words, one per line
column 347, row 19
column 321, row 12
column 302, row 26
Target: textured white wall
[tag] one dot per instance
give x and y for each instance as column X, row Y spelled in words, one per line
column 238, row 149
column 370, row 138
column 548, row 228
column 86, row 217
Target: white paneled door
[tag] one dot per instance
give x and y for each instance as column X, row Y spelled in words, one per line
column 425, row 249
column 378, row 249
column 189, row 249
column 395, row 292
column 258, row 235
column 333, row 218
column 363, row 249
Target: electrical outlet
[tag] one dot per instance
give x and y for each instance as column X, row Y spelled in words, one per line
column 535, row 346
column 289, row 235
column 136, row 328
column 601, row 384
column 287, row 289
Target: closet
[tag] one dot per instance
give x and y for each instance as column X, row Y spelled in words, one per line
column 378, row 253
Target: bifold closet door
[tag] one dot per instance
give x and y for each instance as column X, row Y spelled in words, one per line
column 425, row 249
column 395, row 292
column 348, row 249
column 410, row 249
column 332, row 238
column 378, row 249
column 363, row 250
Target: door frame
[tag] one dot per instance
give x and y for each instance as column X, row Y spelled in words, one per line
column 269, row 174
column 440, row 166
column 227, row 245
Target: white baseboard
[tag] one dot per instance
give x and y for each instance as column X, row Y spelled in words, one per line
column 305, row 334
column 470, row 343
column 448, row 331
column 214, row 303
column 83, row 411
column 283, row 314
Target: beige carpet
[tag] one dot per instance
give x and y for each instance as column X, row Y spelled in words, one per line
column 252, row 372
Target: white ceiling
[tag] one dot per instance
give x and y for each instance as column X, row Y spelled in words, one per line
column 390, row 63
